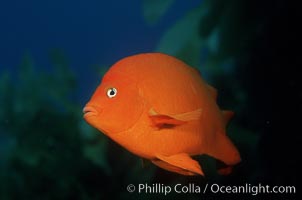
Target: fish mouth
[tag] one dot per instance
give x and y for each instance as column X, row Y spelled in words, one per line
column 89, row 111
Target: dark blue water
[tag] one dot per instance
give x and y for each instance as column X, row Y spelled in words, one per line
column 44, row 152
column 88, row 32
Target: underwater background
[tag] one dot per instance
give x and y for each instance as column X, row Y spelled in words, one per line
column 54, row 53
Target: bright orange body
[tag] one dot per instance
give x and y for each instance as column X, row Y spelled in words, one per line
column 160, row 109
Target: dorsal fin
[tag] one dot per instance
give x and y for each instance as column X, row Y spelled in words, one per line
column 227, row 115
column 213, row 91
column 196, row 71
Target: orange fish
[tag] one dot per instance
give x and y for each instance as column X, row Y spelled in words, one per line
column 160, row 109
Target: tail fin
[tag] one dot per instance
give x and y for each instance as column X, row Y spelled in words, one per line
column 225, row 151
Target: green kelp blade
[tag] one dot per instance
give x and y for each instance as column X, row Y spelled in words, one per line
column 153, row 10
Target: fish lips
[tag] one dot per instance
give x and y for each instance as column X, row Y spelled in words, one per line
column 90, row 111
column 91, row 114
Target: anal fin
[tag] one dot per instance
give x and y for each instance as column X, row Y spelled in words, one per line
column 179, row 163
column 145, row 162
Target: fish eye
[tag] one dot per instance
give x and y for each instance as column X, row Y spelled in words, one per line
column 111, row 92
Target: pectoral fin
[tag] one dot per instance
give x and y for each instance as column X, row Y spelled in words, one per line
column 166, row 121
column 179, row 163
column 189, row 116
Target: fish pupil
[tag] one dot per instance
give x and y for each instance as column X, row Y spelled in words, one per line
column 112, row 92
